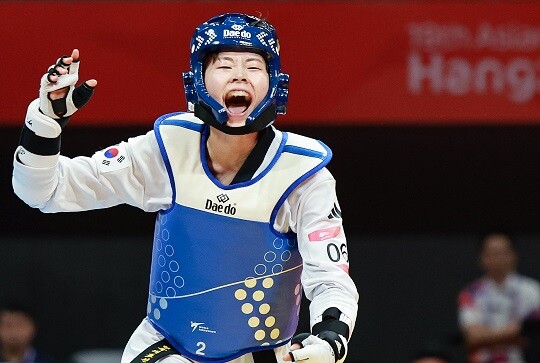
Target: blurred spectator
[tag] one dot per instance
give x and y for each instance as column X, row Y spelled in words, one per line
column 494, row 309
column 432, row 352
column 18, row 328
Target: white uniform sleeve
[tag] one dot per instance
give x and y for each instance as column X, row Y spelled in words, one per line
column 313, row 212
column 131, row 173
column 469, row 310
column 531, row 299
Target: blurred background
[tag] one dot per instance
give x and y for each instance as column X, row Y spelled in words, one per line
column 432, row 110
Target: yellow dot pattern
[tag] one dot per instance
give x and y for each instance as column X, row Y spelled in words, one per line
column 260, row 334
column 250, row 282
column 268, row 330
column 258, row 295
column 253, row 322
column 240, row 294
column 264, row 309
column 247, row 308
column 268, row 282
column 270, row 321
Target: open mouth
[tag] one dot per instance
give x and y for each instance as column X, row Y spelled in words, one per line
column 237, row 102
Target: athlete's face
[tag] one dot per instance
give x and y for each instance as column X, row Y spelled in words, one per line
column 239, row 81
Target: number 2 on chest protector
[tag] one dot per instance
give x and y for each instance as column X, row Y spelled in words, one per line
column 202, row 346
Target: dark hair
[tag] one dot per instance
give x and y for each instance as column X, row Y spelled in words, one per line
column 492, row 234
column 433, row 350
column 439, row 355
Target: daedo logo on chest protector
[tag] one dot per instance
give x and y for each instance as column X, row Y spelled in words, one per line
column 221, row 207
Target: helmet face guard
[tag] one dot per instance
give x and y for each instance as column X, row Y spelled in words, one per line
column 235, row 32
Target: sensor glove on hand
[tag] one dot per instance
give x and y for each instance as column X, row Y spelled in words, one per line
column 327, row 342
column 325, row 347
column 58, row 100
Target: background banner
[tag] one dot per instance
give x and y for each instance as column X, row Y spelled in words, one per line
column 353, row 63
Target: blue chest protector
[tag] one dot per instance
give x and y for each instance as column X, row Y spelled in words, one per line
column 223, row 281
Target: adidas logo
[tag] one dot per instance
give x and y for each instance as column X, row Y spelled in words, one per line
column 335, row 212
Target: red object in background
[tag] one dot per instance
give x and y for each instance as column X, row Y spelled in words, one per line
column 385, row 63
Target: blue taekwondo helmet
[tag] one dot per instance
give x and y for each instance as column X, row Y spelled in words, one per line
column 235, row 32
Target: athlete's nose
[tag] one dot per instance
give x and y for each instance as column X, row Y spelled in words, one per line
column 240, row 75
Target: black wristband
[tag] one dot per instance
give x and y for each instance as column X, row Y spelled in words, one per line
column 37, row 144
column 330, row 322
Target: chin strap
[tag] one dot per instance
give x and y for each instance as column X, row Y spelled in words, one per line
column 265, row 119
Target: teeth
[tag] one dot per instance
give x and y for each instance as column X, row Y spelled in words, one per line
column 237, row 93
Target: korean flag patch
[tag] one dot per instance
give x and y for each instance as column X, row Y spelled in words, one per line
column 113, row 158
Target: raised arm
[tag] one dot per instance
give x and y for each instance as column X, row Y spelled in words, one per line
column 58, row 100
